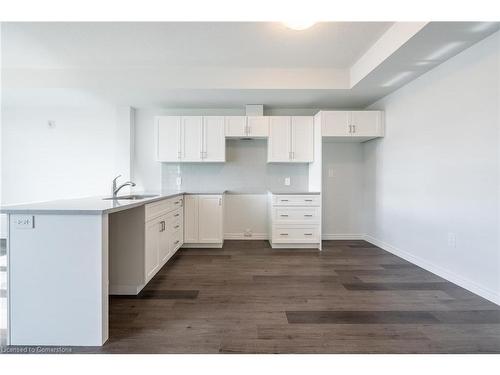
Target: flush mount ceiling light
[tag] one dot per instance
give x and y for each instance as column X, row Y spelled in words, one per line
column 298, row 24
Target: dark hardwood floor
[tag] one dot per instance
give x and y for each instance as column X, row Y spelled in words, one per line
column 351, row 298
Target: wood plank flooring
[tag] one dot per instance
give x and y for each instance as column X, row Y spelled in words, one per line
column 248, row 298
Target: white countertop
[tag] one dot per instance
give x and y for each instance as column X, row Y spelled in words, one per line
column 298, row 192
column 92, row 205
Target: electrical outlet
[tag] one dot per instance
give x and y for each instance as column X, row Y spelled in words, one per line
column 178, row 181
column 452, row 240
column 287, row 181
column 24, row 222
column 51, row 124
column 248, row 232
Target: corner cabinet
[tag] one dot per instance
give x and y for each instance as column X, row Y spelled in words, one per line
column 190, row 139
column 203, row 220
column 357, row 126
column 141, row 241
column 291, row 139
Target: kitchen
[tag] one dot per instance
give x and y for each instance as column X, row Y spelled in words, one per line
column 321, row 206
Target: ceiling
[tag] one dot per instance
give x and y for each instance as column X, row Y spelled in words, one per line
column 186, row 44
column 215, row 65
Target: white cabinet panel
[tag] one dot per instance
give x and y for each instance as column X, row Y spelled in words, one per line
column 214, row 141
column 302, row 139
column 152, row 245
column 168, row 138
column 164, row 240
column 335, row 123
column 258, row 126
column 366, row 123
column 236, row 126
column 279, row 143
column 210, row 218
column 190, row 218
column 351, row 126
column 192, row 137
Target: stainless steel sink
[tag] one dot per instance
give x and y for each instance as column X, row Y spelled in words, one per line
column 132, row 197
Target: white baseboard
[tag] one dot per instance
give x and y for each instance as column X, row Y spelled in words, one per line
column 202, row 245
column 465, row 283
column 327, row 236
column 241, row 236
column 128, row 290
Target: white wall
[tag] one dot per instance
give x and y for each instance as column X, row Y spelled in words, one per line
column 343, row 192
column 75, row 158
column 436, row 173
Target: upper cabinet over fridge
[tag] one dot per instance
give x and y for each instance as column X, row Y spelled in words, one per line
column 351, row 126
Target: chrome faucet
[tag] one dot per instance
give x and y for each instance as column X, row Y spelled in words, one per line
column 115, row 189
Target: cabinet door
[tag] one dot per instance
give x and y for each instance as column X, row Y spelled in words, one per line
column 258, row 126
column 335, row 123
column 165, row 242
column 236, row 126
column 214, row 141
column 303, row 139
column 366, row 123
column 168, row 138
column 151, row 256
column 279, row 143
column 190, row 218
column 192, row 137
column 210, row 218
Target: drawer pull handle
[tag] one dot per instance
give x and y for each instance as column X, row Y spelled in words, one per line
column 283, row 215
column 308, row 234
column 176, row 215
column 284, row 200
column 176, row 242
column 308, row 200
column 177, row 202
column 283, row 234
column 177, row 226
column 308, row 215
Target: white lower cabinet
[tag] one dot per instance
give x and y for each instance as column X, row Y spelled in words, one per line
column 203, row 220
column 295, row 220
column 141, row 241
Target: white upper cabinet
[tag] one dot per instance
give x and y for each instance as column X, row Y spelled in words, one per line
column 258, row 126
column 290, row 139
column 214, row 142
column 302, row 139
column 190, row 139
column 168, row 134
column 279, row 144
column 236, row 126
column 366, row 123
column 247, row 126
column 335, row 123
column 352, row 125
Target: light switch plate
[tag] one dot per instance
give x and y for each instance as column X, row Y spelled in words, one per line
column 24, row 222
column 287, row 181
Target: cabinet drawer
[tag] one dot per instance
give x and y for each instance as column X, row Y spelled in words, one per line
column 296, row 200
column 153, row 210
column 177, row 240
column 296, row 215
column 288, row 234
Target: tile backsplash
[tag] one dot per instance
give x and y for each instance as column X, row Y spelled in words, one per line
column 245, row 170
